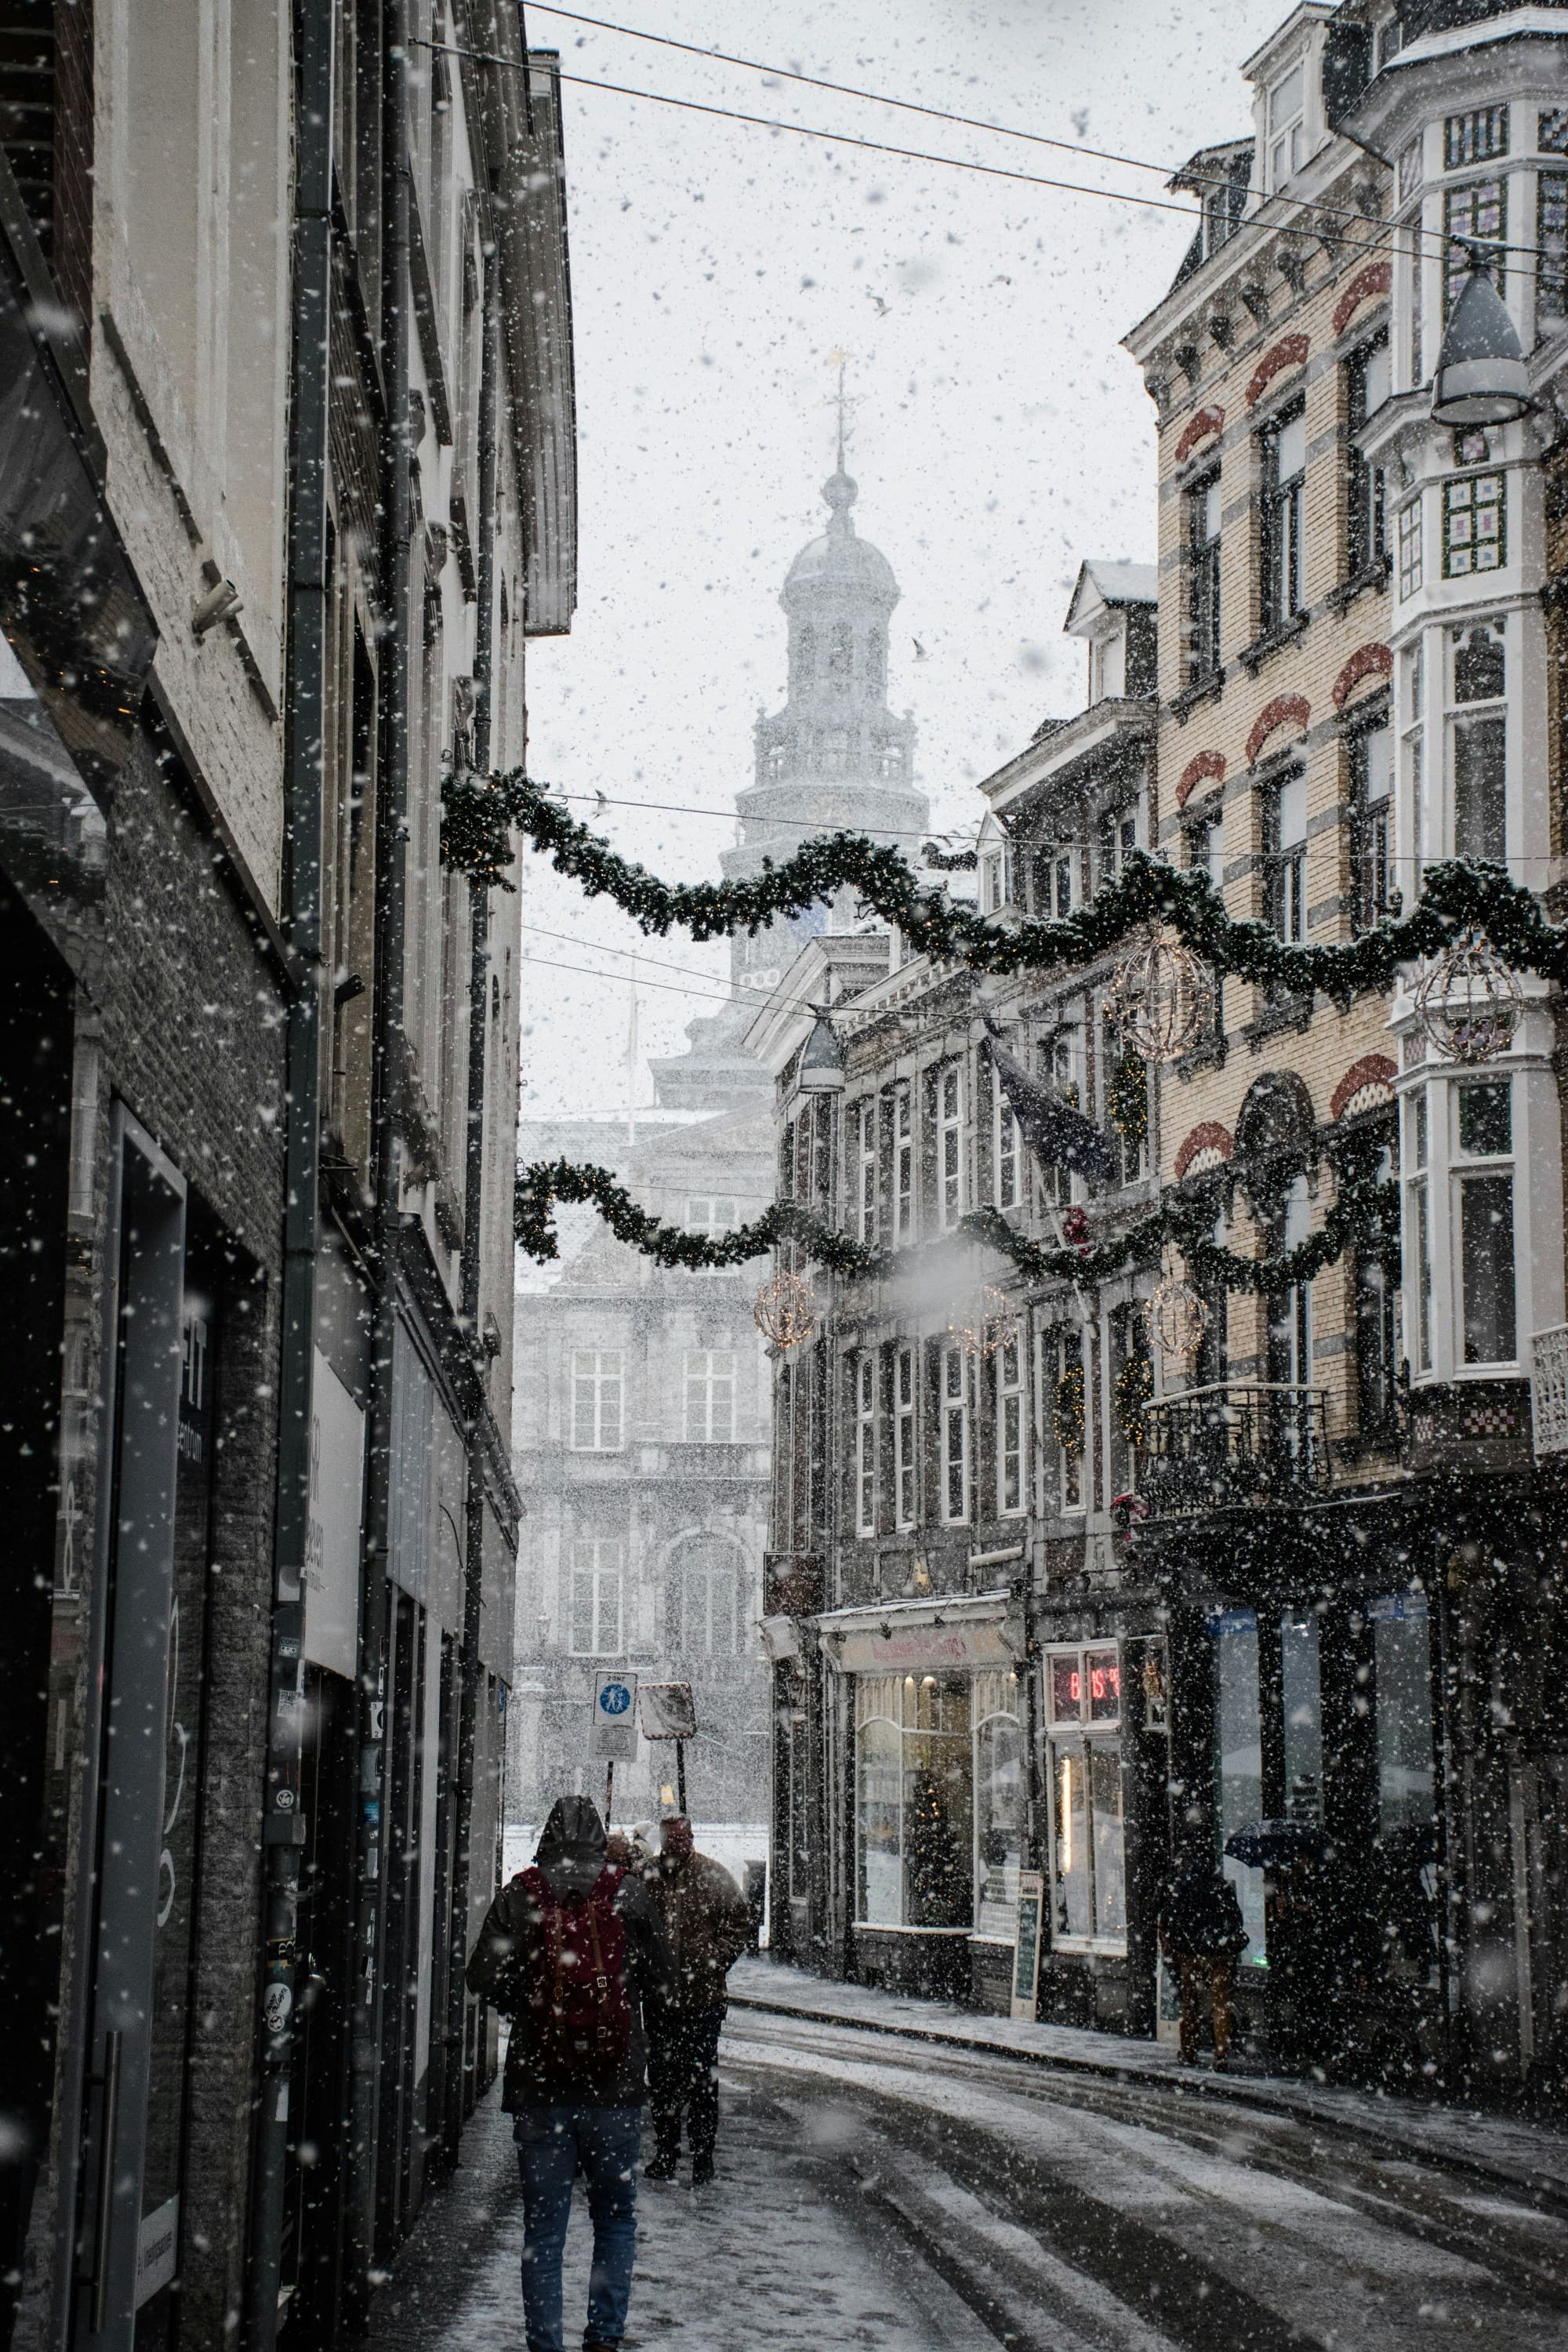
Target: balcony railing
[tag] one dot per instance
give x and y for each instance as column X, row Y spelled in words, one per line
column 1548, row 1390
column 1233, row 1442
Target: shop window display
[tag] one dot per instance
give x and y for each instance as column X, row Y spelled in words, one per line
column 1088, row 1878
column 939, row 1794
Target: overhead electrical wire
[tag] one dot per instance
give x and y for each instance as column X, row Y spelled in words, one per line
column 735, row 816
column 1311, row 229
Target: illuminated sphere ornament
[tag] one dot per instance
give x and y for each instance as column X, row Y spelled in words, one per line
column 783, row 1311
column 1160, row 997
column 1178, row 1317
column 995, row 1323
column 1468, row 1002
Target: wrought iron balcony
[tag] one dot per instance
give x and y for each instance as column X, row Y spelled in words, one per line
column 1233, row 1442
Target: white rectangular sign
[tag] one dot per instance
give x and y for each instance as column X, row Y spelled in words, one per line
column 613, row 1734
column 668, row 1711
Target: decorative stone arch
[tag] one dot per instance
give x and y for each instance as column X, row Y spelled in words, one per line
column 1367, row 1085
column 1209, row 1145
column 1375, row 278
column 1207, row 422
column 1285, row 709
column 1276, row 1138
column 1205, row 767
column 1370, row 660
column 1289, row 352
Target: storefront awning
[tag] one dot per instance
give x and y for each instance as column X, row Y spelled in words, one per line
column 973, row 1631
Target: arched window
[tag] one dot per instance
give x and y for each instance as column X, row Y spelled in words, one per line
column 705, row 1597
column 876, row 661
column 804, row 655
column 841, row 652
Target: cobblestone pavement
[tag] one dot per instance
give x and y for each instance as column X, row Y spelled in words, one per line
column 782, row 2250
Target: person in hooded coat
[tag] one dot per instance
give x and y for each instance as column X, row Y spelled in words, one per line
column 576, row 2064
column 1201, row 1929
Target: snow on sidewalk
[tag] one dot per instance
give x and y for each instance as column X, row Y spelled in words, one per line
column 1502, row 2149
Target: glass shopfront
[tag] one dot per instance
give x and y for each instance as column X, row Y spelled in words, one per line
column 1238, row 1762
column 1089, row 1871
column 940, row 1792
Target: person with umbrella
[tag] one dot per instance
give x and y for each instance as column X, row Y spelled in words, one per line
column 1201, row 1930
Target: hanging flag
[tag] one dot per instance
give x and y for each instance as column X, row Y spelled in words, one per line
column 1057, row 1135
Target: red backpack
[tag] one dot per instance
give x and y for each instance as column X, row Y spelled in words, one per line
column 578, row 2010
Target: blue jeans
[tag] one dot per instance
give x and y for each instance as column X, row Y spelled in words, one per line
column 550, row 2144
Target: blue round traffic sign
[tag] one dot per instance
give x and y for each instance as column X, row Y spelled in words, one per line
column 615, row 1699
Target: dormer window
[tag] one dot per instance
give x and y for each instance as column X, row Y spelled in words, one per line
column 1107, row 667
column 1287, row 125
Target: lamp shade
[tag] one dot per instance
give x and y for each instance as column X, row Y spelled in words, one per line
column 1480, row 377
column 822, row 1064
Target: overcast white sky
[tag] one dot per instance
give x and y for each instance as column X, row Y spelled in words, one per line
column 1000, row 435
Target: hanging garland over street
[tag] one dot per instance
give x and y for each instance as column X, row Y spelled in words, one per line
column 1366, row 1212
column 481, row 813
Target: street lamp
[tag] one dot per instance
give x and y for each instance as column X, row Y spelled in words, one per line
column 822, row 1064
column 1480, row 377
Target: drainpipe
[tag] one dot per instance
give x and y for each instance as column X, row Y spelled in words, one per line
column 283, row 1828
column 387, row 1067
column 473, row 1214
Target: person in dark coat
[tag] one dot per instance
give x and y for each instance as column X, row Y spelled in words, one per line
column 574, row 1953
column 1201, row 1930
column 708, row 1924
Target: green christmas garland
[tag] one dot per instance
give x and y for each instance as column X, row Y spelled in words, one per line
column 481, row 811
column 1366, row 1212
column 1067, row 1408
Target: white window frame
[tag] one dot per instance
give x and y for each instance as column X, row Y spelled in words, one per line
column 598, row 1574
column 954, row 1409
column 904, row 1161
column 1286, row 131
column 1411, row 548
column 1459, row 717
column 866, row 1442
column 906, row 1423
column 950, row 1143
column 1419, row 1228
column 866, row 1172
column 598, row 1401
column 710, row 1396
column 1006, row 1152
column 712, row 1213
column 717, row 1575
column 1012, row 1429
column 1465, row 1168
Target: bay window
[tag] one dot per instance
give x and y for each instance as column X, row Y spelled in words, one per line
column 1473, row 215
column 1478, row 734
column 1418, row 1225
column 1083, row 1748
column 1484, row 1177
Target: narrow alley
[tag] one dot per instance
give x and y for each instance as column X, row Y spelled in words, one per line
column 916, row 2195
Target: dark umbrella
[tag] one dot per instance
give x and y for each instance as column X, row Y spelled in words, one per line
column 1262, row 1843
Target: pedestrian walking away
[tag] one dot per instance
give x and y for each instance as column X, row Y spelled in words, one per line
column 1201, row 1930
column 707, row 1924
column 573, row 1952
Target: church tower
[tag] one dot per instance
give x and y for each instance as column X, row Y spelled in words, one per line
column 834, row 760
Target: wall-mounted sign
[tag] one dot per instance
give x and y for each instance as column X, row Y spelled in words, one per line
column 613, row 1734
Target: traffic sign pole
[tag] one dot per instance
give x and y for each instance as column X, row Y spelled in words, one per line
column 609, row 1791
column 680, row 1775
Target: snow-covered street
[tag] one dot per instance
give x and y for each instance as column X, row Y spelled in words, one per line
column 879, row 2191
